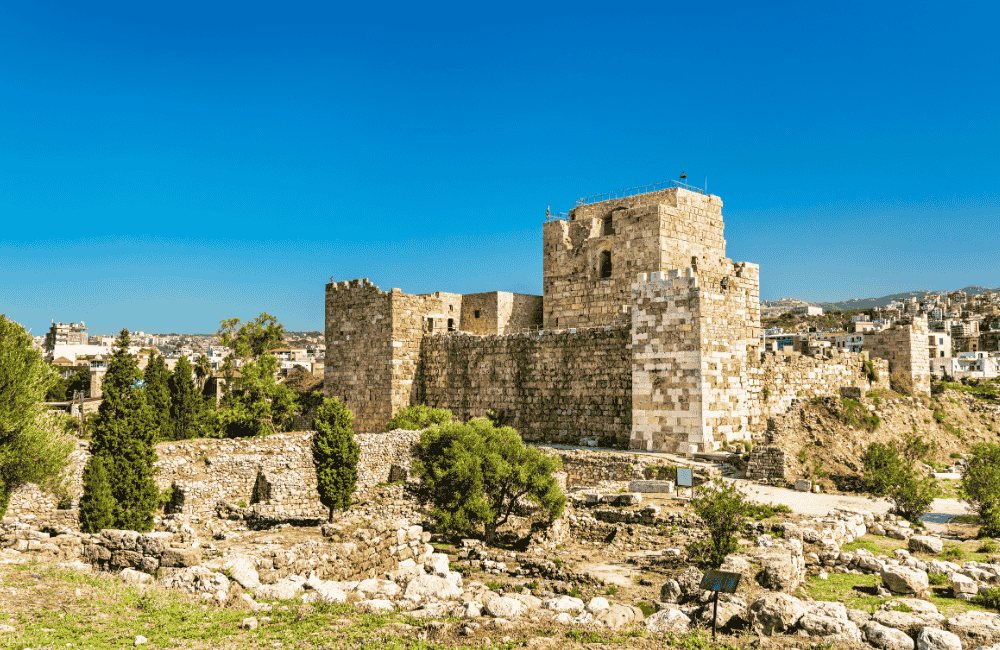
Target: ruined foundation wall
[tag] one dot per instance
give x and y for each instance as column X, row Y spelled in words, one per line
column 783, row 378
column 550, row 386
column 205, row 472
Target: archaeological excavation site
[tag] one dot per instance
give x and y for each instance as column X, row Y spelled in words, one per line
column 626, row 461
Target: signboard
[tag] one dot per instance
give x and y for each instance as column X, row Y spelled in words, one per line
column 719, row 582
column 685, row 477
column 724, row 581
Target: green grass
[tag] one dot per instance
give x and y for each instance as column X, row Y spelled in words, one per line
column 107, row 613
column 855, row 591
column 874, row 543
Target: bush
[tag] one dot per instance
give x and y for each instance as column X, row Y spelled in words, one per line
column 761, row 511
column 418, row 417
column 892, row 474
column 97, row 505
column 475, row 474
column 988, row 546
column 988, row 598
column 981, row 486
column 853, row 413
column 335, row 453
column 937, row 579
column 724, row 511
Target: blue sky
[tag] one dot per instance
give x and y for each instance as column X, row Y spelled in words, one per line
column 167, row 165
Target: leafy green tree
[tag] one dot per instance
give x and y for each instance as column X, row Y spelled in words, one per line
column 30, row 451
column 97, row 505
column 476, row 474
column 254, row 402
column 155, row 378
column 64, row 389
column 892, row 472
column 418, row 417
column 981, row 486
column 202, row 370
column 124, row 433
column 724, row 512
column 335, row 453
column 187, row 406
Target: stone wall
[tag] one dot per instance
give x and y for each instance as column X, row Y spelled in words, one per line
column 500, row 312
column 550, row 386
column 767, row 463
column 271, row 477
column 274, row 475
column 904, row 346
column 783, row 378
column 41, row 508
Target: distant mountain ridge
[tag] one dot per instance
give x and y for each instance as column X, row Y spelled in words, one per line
column 870, row 303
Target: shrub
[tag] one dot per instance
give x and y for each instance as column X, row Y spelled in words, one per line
column 475, row 474
column 335, row 453
column 988, row 546
column 981, row 486
column 723, row 510
column 892, row 474
column 871, row 372
column 853, row 413
column 952, row 552
column 760, row 511
column 937, row 579
column 989, row 598
column 418, row 417
column 648, row 609
column 97, row 505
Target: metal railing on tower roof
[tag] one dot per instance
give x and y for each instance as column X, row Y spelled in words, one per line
column 634, row 190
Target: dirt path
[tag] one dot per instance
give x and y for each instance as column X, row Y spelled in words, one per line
column 817, row 505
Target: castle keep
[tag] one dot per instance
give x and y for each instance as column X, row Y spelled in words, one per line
column 647, row 337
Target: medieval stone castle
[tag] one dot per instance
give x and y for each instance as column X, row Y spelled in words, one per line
column 647, row 337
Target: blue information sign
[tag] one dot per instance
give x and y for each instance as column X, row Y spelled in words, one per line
column 685, row 477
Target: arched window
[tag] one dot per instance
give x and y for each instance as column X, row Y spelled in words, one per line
column 604, row 267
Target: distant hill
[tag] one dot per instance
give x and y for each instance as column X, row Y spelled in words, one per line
column 871, row 303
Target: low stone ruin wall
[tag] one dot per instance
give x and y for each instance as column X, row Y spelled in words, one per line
column 786, row 377
column 272, row 477
column 586, row 468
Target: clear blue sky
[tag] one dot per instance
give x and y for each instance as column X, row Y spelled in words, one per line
column 167, row 165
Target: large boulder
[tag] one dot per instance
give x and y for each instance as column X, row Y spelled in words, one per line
column 424, row 587
column 243, row 571
column 925, row 544
column 910, row 622
column 618, row 616
column 669, row 619
column 782, row 569
column 505, row 607
column 180, row 557
column 904, row 580
column 830, row 622
column 285, row 589
column 886, row 638
column 775, row 613
column 932, row 638
column 732, row 613
column 976, row 626
column 962, row 586
column 565, row 604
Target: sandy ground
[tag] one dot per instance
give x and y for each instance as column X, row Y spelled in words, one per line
column 807, row 503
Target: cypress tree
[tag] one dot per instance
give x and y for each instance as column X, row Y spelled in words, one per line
column 124, row 433
column 335, row 453
column 97, row 506
column 186, row 403
column 156, row 377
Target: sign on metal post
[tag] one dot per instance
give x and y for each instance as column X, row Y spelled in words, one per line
column 685, row 478
column 719, row 581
